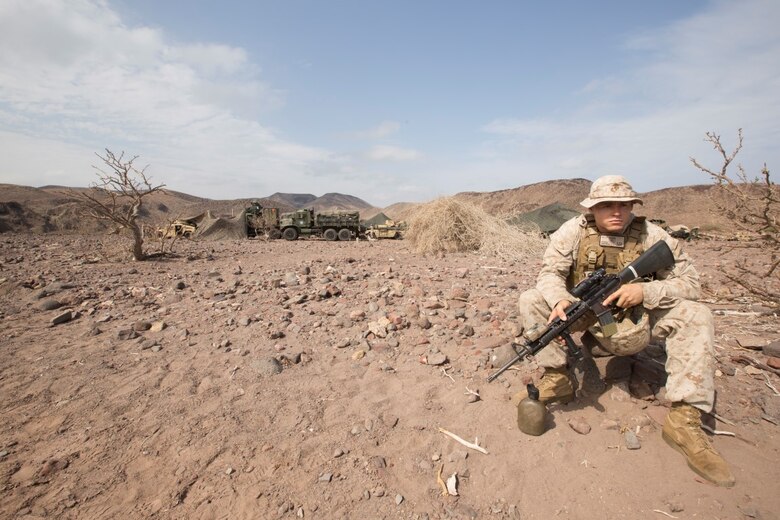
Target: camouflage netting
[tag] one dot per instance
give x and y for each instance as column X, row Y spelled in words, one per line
column 378, row 219
column 449, row 225
column 209, row 227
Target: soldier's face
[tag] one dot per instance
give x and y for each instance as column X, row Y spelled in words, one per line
column 612, row 217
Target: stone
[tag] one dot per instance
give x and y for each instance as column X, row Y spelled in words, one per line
column 49, row 304
column 620, row 392
column 398, row 499
column 141, row 326
column 773, row 362
column 609, row 424
column 579, row 425
column 267, row 366
column 437, row 359
column 158, row 326
column 631, row 441
column 125, row 334
column 62, row 317
column 377, row 462
column 500, row 356
column 773, row 349
column 179, row 285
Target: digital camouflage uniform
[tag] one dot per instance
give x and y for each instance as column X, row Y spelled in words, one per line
column 686, row 325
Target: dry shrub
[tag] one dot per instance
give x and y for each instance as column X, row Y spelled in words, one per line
column 448, row 225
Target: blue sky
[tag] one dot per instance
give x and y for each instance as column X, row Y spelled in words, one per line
column 387, row 100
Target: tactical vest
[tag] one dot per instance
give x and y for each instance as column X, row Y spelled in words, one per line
column 612, row 252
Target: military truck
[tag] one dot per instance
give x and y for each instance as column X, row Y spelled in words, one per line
column 330, row 226
column 262, row 221
column 390, row 229
column 178, row 228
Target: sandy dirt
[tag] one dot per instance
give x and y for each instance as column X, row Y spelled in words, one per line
column 251, row 379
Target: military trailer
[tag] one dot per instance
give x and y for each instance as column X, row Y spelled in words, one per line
column 330, row 226
column 390, row 229
column 262, row 221
column 178, row 228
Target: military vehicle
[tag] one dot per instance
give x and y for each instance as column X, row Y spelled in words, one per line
column 262, row 221
column 330, row 226
column 178, row 228
column 390, row 229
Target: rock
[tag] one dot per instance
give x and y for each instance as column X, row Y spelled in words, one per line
column 49, row 304
column 609, row 424
column 125, row 334
column 377, row 462
column 620, row 392
column 399, row 499
column 326, row 477
column 675, row 506
column 773, row 349
column 466, row 330
column 631, row 441
column 140, row 326
column 773, row 362
column 579, row 425
column 338, row 452
column 389, row 419
column 158, row 326
column 500, row 356
column 178, row 286
column 267, row 366
column 424, row 323
column 156, row 348
column 489, row 343
column 62, row 317
column 437, row 359
column 457, row 455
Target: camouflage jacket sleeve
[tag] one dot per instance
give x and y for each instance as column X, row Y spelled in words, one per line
column 681, row 282
column 557, row 262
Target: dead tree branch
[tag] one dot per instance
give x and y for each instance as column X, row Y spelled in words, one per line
column 118, row 195
column 753, row 207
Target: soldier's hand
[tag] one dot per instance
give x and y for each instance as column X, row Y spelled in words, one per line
column 626, row 296
column 559, row 311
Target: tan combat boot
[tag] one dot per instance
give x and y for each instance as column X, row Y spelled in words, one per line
column 682, row 431
column 554, row 387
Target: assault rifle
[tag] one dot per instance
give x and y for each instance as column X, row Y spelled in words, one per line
column 591, row 293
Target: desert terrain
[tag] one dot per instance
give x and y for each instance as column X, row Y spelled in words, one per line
column 308, row 379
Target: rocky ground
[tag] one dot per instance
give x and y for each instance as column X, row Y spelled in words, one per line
column 252, row 379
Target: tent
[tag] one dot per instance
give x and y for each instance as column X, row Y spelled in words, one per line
column 549, row 218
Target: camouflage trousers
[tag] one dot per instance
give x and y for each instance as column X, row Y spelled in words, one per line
column 689, row 333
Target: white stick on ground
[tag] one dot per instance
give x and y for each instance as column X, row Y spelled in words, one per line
column 473, row 445
column 717, row 432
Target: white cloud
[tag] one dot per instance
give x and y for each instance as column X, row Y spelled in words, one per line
column 73, row 73
column 382, row 130
column 716, row 71
column 392, row 153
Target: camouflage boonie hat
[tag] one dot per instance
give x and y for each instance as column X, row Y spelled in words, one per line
column 610, row 188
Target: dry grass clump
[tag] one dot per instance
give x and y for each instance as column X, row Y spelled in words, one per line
column 448, row 225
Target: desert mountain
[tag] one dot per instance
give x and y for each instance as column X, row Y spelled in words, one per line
column 53, row 208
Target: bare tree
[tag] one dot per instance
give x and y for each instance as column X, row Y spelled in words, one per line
column 753, row 205
column 118, row 196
